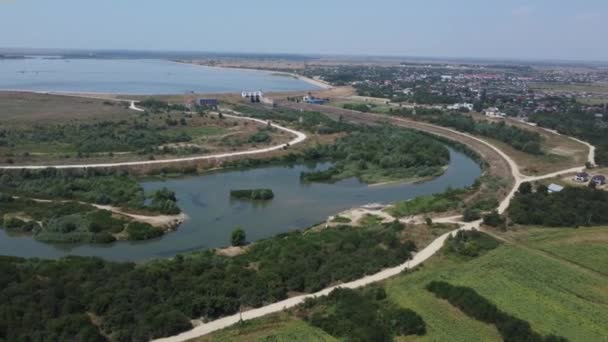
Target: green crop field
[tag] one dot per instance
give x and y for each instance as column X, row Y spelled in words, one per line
column 554, row 296
column 551, row 292
column 587, row 247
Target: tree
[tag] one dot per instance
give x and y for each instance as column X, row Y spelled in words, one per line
column 238, row 237
column 525, row 188
column 493, row 219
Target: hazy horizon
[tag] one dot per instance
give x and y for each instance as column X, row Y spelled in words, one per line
column 540, row 30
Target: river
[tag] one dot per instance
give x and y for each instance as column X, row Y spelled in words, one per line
column 136, row 77
column 213, row 215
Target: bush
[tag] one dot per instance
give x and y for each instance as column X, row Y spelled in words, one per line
column 471, row 214
column 238, row 237
column 253, row 194
column 494, row 219
column 142, row 231
column 351, row 316
column 469, row 243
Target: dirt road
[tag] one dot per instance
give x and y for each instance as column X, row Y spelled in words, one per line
column 419, row 258
column 299, row 137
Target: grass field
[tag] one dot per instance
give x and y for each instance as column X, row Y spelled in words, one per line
column 587, row 247
column 560, row 152
column 41, row 128
column 281, row 327
column 561, row 87
column 553, row 293
column 31, row 107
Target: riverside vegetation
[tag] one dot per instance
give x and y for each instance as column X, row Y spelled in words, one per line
column 90, row 299
column 502, row 278
column 55, row 205
column 373, row 154
column 252, row 194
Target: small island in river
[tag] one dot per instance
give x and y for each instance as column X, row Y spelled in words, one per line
column 252, row 194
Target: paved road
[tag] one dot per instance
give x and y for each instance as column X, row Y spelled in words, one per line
column 299, row 137
column 419, row 258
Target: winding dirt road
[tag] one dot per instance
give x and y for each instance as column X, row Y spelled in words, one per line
column 418, row 258
column 299, row 137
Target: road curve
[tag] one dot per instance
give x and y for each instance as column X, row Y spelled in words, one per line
column 299, row 137
column 418, row 258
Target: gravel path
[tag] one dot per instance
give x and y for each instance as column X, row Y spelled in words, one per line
column 418, row 258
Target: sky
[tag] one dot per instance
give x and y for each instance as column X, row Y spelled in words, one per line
column 506, row 29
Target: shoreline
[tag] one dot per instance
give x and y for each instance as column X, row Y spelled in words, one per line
column 318, row 83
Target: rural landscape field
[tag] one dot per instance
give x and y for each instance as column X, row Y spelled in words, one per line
column 332, row 171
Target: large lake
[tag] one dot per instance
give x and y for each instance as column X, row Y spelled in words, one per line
column 213, row 215
column 137, row 77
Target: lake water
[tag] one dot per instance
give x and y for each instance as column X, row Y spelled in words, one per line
column 137, row 77
column 213, row 215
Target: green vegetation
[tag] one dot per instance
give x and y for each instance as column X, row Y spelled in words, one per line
column 379, row 154
column 354, row 316
column 445, row 201
column 283, row 327
column 578, row 123
column 68, row 222
column 469, row 244
column 252, row 194
column 478, row 307
column 142, row 231
column 555, row 296
column 113, row 187
column 361, row 107
column 572, row 207
column 140, row 302
column 238, row 237
column 313, row 122
column 518, row 138
column 587, row 247
column 159, row 106
column 341, row 219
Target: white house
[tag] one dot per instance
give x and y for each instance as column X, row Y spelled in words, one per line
column 553, row 188
column 458, row 106
column 494, row 112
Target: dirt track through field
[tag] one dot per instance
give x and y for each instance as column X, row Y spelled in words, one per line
column 486, row 149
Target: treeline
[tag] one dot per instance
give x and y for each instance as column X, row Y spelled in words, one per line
column 96, row 137
column 78, row 298
column 314, row 122
column 571, row 207
column 252, row 194
column 161, row 106
column 474, row 305
column 364, row 315
column 580, row 124
column 113, row 187
column 520, row 139
column 379, row 153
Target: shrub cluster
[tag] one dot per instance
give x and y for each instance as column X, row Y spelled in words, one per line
column 356, row 316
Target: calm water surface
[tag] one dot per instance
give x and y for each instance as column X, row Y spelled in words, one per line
column 213, row 215
column 142, row 77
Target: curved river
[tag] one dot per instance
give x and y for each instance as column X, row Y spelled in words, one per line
column 136, row 77
column 213, row 215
